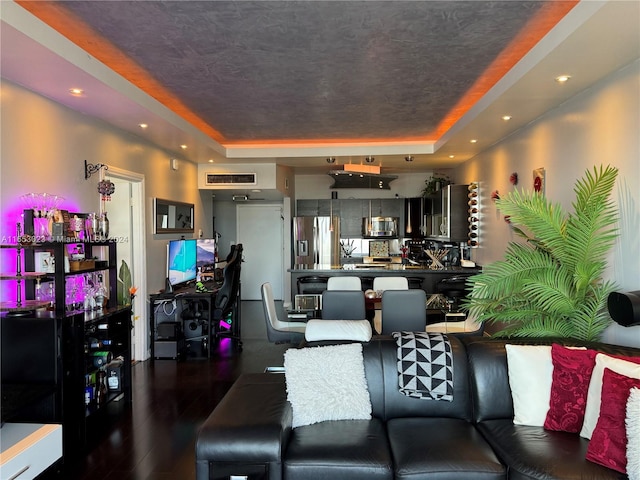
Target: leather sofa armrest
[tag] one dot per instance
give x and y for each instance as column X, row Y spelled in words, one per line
column 249, row 427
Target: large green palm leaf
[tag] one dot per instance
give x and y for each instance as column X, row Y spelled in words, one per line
column 552, row 284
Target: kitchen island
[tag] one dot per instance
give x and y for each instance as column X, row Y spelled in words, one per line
column 311, row 279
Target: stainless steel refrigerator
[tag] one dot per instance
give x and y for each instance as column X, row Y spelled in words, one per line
column 315, row 242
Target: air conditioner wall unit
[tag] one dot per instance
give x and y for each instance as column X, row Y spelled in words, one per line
column 229, row 179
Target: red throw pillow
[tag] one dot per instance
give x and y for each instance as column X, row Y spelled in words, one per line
column 608, row 445
column 572, row 370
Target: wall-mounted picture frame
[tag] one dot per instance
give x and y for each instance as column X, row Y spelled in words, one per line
column 172, row 217
column 538, row 180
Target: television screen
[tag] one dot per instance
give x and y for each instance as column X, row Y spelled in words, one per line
column 206, row 255
column 181, row 261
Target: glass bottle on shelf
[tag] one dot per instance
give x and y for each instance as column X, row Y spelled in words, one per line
column 101, row 387
column 100, row 293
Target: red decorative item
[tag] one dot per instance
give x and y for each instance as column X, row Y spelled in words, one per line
column 495, row 195
column 507, row 218
column 513, row 178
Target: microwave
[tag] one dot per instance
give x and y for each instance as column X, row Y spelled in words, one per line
column 380, row 227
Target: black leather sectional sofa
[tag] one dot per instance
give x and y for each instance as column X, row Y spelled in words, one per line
column 249, row 433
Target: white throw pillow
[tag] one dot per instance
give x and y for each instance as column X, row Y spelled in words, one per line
column 594, row 395
column 327, row 383
column 633, row 434
column 354, row 330
column 530, row 378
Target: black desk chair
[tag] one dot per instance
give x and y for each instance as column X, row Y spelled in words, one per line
column 227, row 298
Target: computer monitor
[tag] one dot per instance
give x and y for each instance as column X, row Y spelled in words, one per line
column 181, row 262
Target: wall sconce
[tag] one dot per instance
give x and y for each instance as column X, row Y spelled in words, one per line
column 105, row 187
column 624, row 308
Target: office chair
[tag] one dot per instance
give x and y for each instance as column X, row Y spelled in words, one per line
column 277, row 330
column 227, row 298
column 343, row 305
column 404, row 310
column 344, row 283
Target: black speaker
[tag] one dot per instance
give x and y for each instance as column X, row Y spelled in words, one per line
column 624, row 308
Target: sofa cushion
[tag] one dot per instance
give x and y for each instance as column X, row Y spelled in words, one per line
column 442, row 448
column 353, row 449
column 530, row 371
column 632, row 422
column 572, row 370
column 536, row 453
column 608, row 445
column 625, row 365
column 395, row 404
column 327, row 383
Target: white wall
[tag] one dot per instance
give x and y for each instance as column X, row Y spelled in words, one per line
column 598, row 127
column 43, row 148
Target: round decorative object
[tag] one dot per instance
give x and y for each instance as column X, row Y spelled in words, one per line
column 106, row 189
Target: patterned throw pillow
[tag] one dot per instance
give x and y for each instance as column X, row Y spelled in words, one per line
column 608, row 445
column 572, row 370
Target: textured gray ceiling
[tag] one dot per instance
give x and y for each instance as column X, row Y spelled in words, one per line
column 262, row 70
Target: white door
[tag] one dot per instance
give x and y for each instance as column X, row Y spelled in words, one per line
column 126, row 226
column 260, row 231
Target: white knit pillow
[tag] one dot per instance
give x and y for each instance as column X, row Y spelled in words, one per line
column 633, row 434
column 327, row 383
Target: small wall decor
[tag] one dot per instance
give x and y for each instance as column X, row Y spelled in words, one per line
column 538, row 180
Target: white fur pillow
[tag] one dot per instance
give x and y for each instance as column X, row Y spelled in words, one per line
column 530, row 378
column 633, row 434
column 327, row 383
column 354, row 330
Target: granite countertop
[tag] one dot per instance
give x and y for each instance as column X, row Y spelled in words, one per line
column 402, row 268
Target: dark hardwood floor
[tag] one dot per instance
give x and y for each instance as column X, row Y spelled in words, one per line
column 155, row 438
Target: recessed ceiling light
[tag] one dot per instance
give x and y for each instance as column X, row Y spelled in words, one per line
column 473, row 140
column 143, row 125
column 506, row 118
column 451, row 156
column 184, row 147
column 562, row 78
column 76, row 92
column 211, row 160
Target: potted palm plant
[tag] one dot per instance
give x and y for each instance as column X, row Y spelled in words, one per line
column 551, row 284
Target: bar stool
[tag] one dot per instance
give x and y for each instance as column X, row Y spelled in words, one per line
column 312, row 284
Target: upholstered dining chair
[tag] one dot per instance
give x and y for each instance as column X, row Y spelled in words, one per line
column 381, row 284
column 344, row 283
column 277, row 330
column 343, row 305
column 404, row 310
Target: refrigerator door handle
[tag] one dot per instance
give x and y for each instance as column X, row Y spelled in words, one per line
column 303, row 248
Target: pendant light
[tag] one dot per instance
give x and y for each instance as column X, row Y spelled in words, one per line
column 409, row 229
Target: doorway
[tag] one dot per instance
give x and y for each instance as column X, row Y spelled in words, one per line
column 126, row 227
column 260, row 230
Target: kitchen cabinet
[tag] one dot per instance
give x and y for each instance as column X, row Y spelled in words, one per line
column 351, row 211
column 447, row 216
